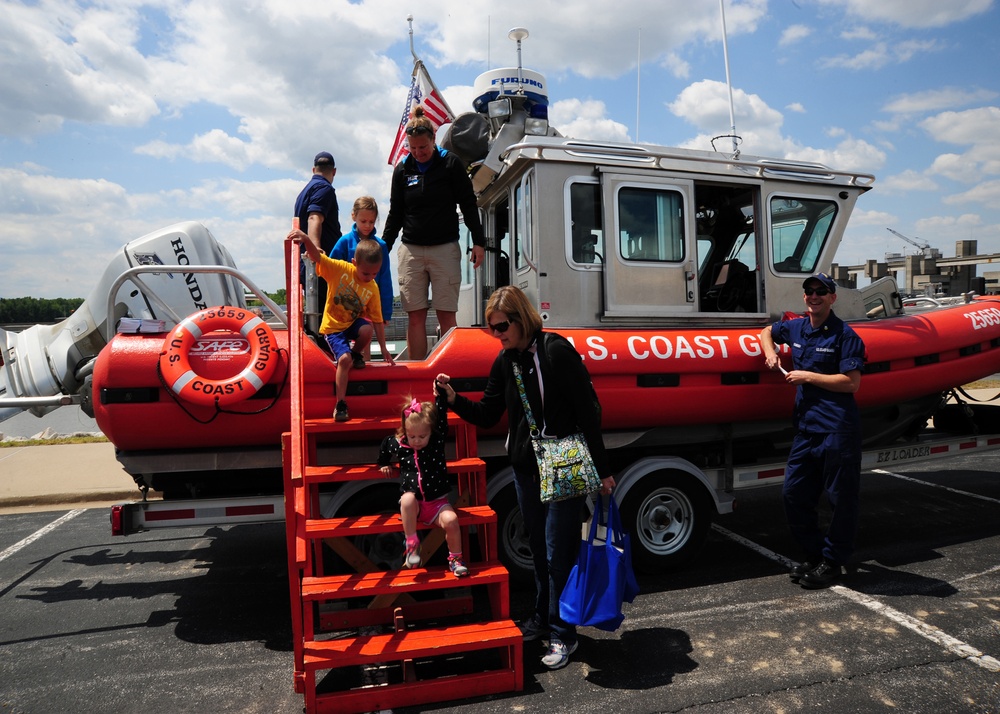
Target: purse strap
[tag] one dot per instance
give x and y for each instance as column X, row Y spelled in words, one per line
column 532, row 426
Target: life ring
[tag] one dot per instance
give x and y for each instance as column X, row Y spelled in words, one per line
column 189, row 385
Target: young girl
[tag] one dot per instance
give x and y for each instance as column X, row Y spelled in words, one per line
column 364, row 213
column 418, row 448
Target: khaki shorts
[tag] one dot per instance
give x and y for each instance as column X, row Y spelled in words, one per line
column 436, row 266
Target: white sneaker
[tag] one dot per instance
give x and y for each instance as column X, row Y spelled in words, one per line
column 411, row 557
column 558, row 656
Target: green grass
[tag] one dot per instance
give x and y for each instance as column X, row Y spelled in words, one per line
column 58, row 440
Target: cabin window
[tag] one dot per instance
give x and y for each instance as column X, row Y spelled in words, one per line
column 800, row 228
column 586, row 220
column 522, row 224
column 650, row 225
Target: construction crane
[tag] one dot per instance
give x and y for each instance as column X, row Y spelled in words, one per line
column 925, row 248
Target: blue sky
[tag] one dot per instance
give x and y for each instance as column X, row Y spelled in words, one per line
column 119, row 117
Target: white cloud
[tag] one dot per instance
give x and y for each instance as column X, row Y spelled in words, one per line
column 586, row 120
column 880, row 55
column 986, row 193
column 936, row 100
column 906, row 182
column 973, row 128
column 705, row 104
column 794, row 34
column 913, row 13
column 861, row 217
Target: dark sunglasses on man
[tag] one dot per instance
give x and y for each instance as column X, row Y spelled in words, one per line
column 822, row 292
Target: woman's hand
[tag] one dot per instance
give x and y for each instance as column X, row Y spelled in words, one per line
column 607, row 485
column 441, row 383
column 386, row 471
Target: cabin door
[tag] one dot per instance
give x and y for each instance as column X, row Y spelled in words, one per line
column 650, row 268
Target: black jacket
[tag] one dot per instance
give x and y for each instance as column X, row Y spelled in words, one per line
column 571, row 404
column 423, row 472
column 422, row 205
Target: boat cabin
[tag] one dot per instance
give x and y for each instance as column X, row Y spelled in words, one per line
column 601, row 234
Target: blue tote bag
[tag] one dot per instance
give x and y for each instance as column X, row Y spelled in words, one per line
column 602, row 578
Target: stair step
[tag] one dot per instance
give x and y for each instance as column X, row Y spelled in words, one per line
column 410, row 644
column 393, row 582
column 383, row 425
column 408, row 694
column 387, row 523
column 360, row 472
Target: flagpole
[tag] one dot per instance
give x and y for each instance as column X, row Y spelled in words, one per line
column 409, row 20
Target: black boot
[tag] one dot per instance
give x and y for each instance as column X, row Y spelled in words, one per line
column 822, row 576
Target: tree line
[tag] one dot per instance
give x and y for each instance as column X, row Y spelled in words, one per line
column 29, row 309
column 32, row 310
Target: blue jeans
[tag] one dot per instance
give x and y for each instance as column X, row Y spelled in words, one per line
column 554, row 538
column 819, row 463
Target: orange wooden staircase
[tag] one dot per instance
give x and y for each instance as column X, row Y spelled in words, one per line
column 376, row 639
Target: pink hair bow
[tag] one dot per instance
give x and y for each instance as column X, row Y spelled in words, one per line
column 414, row 408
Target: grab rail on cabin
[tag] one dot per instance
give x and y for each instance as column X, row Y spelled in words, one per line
column 657, row 157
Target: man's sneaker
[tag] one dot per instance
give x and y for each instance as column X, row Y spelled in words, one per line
column 800, row 569
column 822, row 576
column 411, row 558
column 558, row 656
column 341, row 413
column 359, row 361
column 456, row 566
column 532, row 630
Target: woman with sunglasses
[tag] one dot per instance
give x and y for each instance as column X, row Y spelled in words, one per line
column 559, row 389
column 426, row 187
column 827, row 359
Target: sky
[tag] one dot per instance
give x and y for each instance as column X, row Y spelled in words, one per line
column 121, row 117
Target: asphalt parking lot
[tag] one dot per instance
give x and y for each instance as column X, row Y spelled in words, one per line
column 196, row 620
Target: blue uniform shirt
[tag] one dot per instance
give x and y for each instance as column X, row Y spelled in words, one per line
column 832, row 348
column 319, row 196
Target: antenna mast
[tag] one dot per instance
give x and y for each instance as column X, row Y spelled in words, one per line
column 517, row 34
column 729, row 84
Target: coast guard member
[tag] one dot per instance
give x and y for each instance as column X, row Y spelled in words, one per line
column 827, row 359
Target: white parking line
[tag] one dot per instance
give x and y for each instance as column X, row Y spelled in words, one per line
column 936, row 485
column 40, row 532
column 929, row 632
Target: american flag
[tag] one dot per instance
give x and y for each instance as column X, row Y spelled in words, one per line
column 422, row 91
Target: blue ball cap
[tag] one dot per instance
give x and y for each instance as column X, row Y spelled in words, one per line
column 324, row 158
column 822, row 278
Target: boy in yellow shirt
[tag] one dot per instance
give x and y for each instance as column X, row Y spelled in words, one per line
column 353, row 307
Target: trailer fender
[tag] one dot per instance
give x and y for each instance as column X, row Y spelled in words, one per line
column 627, row 479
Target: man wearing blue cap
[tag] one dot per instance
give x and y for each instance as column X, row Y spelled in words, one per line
column 827, row 359
column 319, row 217
column 316, row 206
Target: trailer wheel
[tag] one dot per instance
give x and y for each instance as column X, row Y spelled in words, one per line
column 512, row 539
column 668, row 515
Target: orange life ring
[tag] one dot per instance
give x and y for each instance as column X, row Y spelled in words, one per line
column 189, row 385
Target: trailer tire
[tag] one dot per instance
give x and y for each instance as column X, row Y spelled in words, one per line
column 512, row 540
column 385, row 550
column 668, row 515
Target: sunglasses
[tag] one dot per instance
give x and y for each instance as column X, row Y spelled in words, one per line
column 817, row 291
column 499, row 327
column 417, row 130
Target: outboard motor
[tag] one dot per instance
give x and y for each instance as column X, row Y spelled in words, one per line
column 45, row 361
